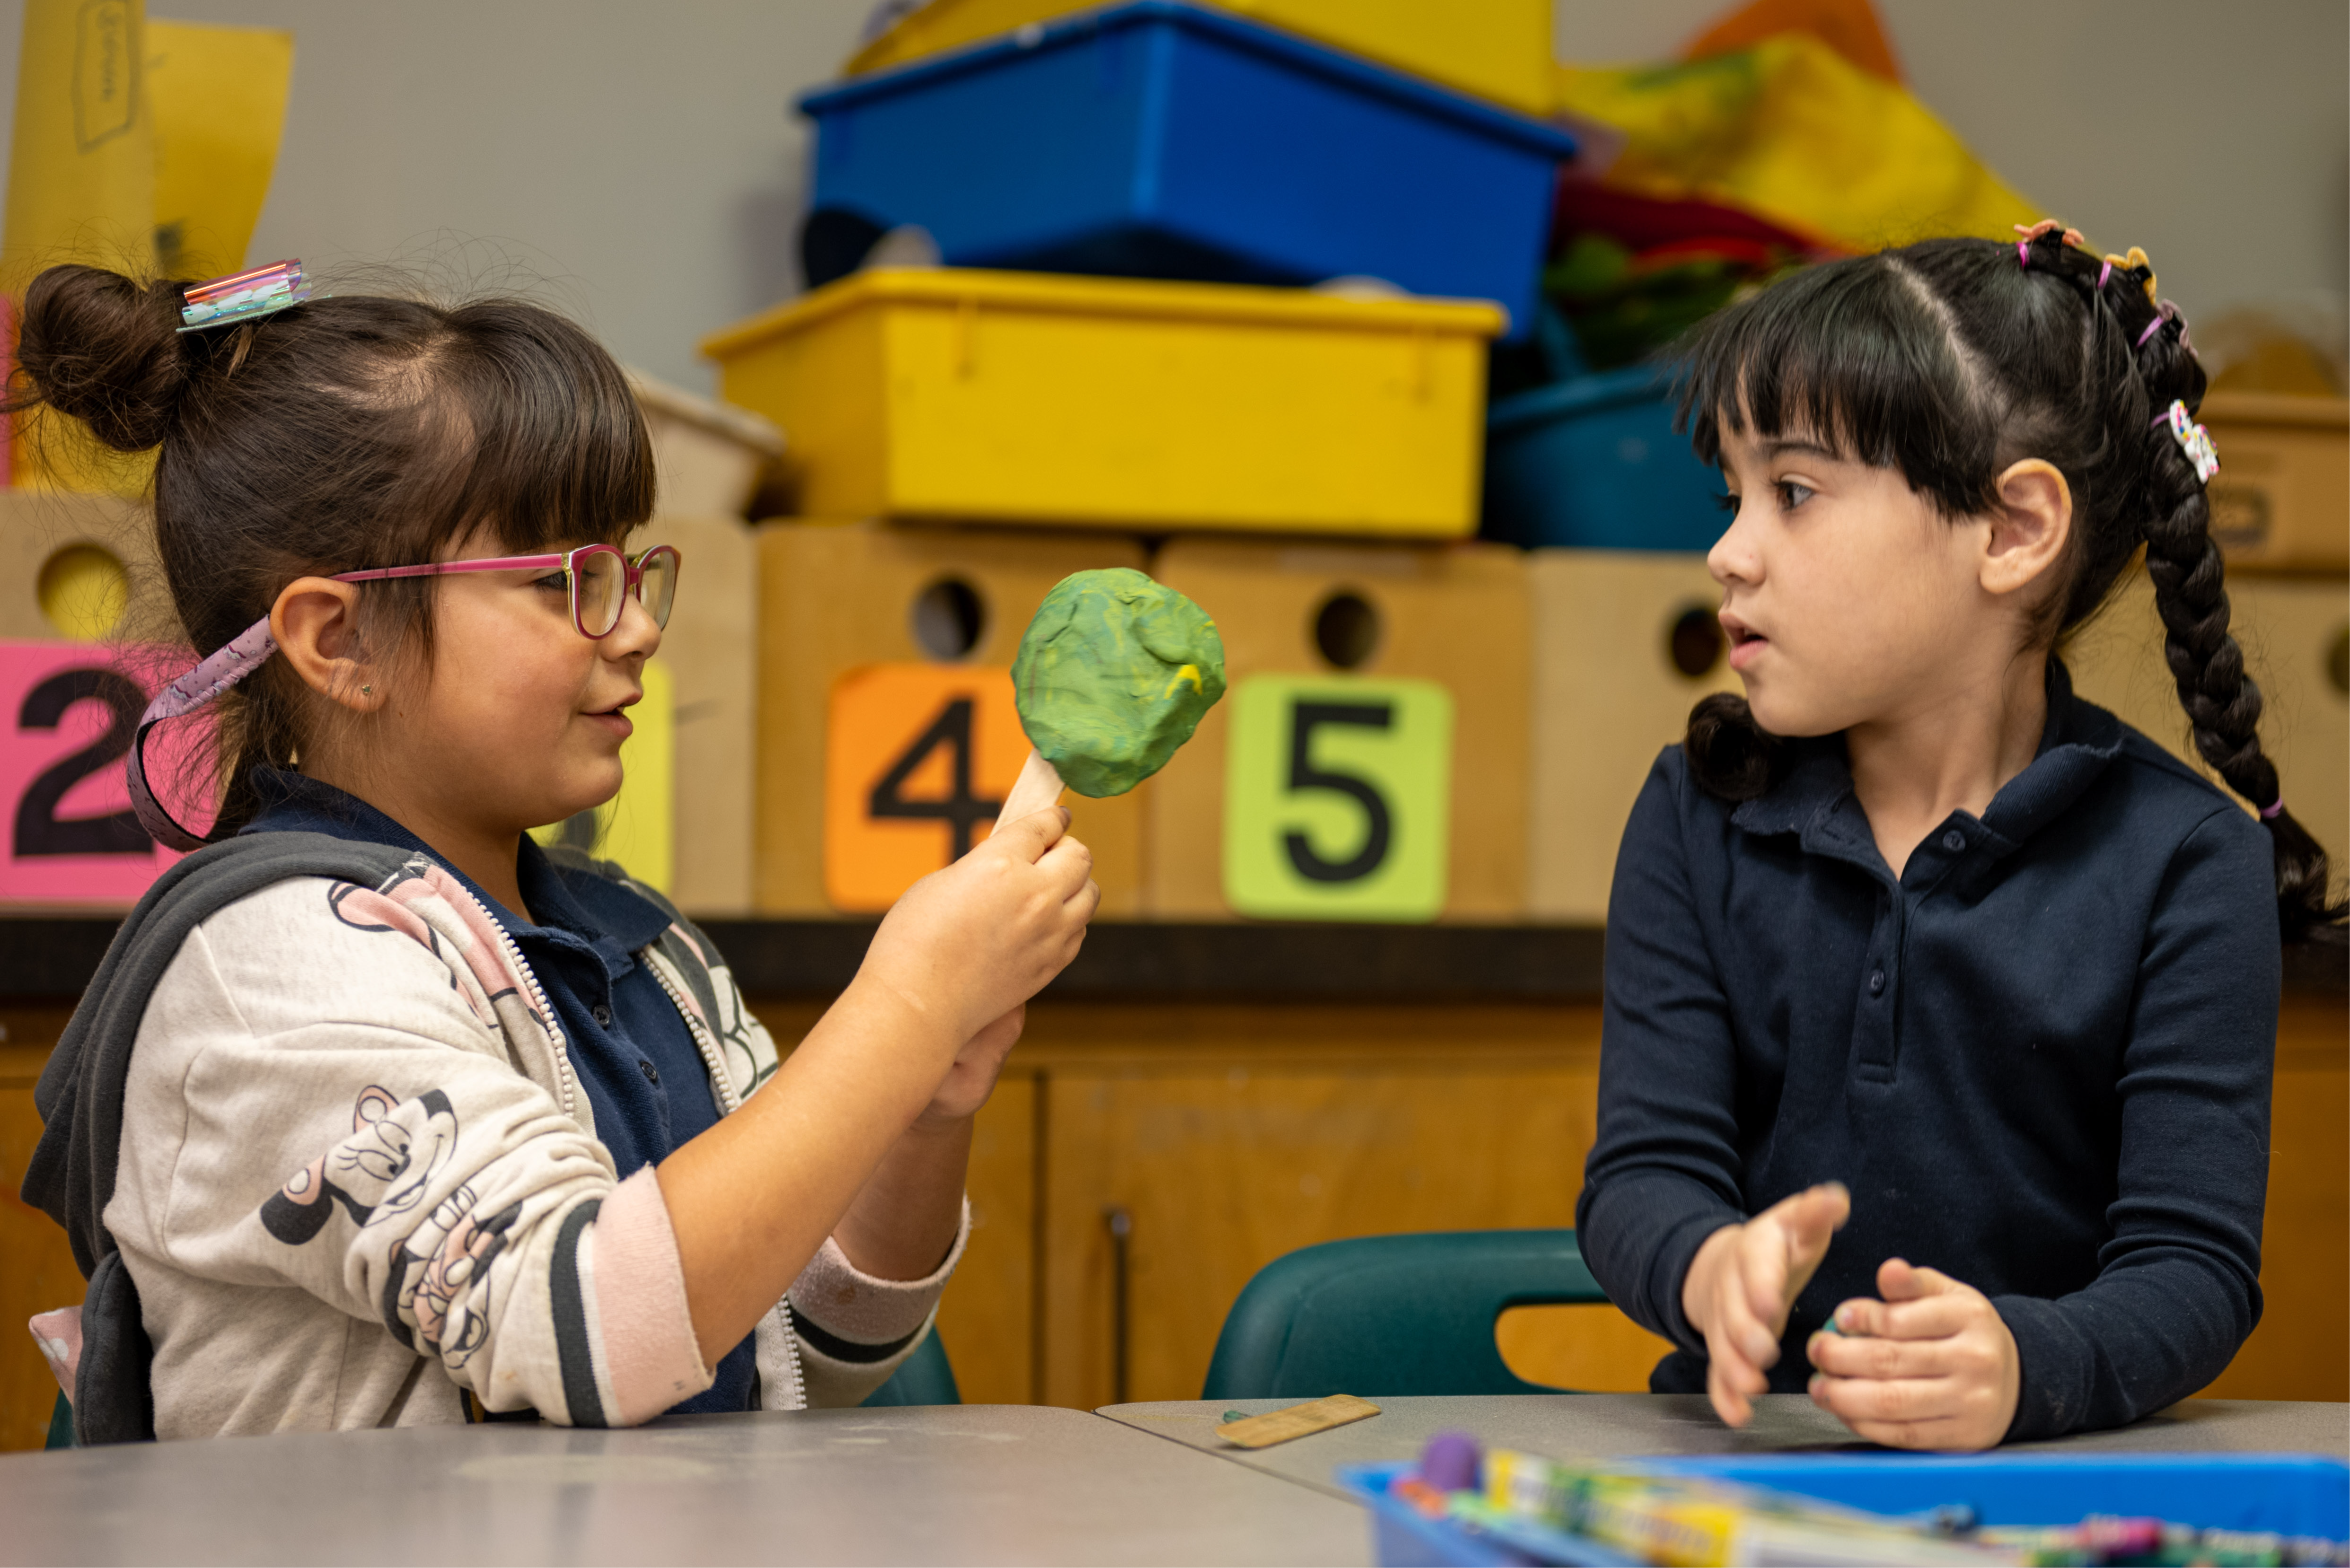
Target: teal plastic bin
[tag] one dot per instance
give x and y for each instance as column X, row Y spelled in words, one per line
column 1595, row 464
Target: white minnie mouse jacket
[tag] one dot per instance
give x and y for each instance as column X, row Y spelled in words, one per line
column 326, row 1164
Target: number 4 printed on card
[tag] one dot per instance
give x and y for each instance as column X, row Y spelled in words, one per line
column 917, row 759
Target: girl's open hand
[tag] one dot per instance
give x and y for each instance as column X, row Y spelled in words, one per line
column 967, row 945
column 1744, row 1280
column 1932, row 1365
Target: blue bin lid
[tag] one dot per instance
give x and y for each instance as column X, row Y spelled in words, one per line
column 1647, row 383
column 1286, row 48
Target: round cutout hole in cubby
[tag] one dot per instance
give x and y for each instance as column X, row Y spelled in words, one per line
column 1695, row 642
column 1347, row 629
column 949, row 618
column 2337, row 661
column 83, row 591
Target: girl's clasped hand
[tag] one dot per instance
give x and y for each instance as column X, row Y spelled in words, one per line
column 1928, row 1365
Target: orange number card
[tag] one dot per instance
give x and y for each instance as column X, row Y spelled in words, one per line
column 918, row 759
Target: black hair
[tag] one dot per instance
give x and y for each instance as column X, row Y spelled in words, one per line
column 1949, row 361
column 336, row 435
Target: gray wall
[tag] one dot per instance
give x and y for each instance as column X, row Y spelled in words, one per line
column 638, row 165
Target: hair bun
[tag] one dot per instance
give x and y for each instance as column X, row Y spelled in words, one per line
column 106, row 350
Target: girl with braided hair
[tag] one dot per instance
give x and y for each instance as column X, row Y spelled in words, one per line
column 1940, row 1005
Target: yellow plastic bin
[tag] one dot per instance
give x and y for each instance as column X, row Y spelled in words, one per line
column 1499, row 50
column 949, row 395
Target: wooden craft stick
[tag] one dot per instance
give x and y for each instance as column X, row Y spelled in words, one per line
column 1297, row 1421
column 1038, row 786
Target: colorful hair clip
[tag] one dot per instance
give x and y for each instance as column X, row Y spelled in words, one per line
column 2193, row 439
column 243, row 295
column 2032, row 232
column 2136, row 258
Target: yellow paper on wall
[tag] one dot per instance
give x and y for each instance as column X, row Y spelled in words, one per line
column 81, row 168
column 1792, row 132
column 81, row 188
column 218, row 97
column 142, row 146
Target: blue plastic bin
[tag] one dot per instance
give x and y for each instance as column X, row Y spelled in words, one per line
column 2293, row 1494
column 1594, row 463
column 1164, row 141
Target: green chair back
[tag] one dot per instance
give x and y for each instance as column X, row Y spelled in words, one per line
column 61, row 1424
column 1392, row 1315
column 922, row 1379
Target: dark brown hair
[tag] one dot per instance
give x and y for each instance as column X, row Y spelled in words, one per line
column 1951, row 359
column 340, row 435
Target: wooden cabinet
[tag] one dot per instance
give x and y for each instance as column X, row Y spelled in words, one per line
column 1231, row 1133
column 36, row 1265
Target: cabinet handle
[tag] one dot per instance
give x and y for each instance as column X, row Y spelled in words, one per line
column 1120, row 1225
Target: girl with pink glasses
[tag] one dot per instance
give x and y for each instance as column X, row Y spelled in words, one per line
column 377, row 1112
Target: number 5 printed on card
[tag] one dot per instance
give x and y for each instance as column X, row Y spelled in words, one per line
column 67, row 711
column 1337, row 798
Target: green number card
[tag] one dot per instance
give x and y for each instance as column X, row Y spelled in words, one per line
column 1337, row 798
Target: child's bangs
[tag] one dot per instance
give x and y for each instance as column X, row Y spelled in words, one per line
column 1850, row 354
column 561, row 455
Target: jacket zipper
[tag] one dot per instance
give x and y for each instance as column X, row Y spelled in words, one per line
column 729, row 1102
column 568, row 1083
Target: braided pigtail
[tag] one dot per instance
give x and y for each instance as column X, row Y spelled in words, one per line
column 2222, row 702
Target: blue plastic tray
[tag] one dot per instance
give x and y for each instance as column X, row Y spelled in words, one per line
column 1595, row 464
column 2293, row 1495
column 1164, row 141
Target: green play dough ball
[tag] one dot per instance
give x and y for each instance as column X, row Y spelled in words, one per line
column 1114, row 674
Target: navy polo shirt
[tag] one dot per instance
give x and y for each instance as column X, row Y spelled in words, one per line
column 2040, row 1057
column 635, row 1057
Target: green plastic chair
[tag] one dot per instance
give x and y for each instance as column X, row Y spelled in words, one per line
column 924, row 1377
column 1392, row 1315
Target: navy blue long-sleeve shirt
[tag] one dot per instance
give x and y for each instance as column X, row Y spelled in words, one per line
column 2040, row 1058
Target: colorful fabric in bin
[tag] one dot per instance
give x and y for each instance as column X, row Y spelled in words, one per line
column 1795, row 133
column 1595, row 462
column 1154, row 139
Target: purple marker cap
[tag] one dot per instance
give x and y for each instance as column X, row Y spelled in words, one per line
column 1452, row 1462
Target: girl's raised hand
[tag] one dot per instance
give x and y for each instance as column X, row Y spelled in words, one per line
column 1744, row 1280
column 1932, row 1365
column 966, row 945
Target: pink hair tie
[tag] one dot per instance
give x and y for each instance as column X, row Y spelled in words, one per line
column 2152, row 328
column 2104, row 272
column 2024, row 253
column 2269, row 812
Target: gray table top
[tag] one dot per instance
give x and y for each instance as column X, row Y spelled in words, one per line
column 985, row 1483
column 1570, row 1425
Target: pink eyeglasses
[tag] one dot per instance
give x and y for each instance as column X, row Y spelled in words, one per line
column 599, row 577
